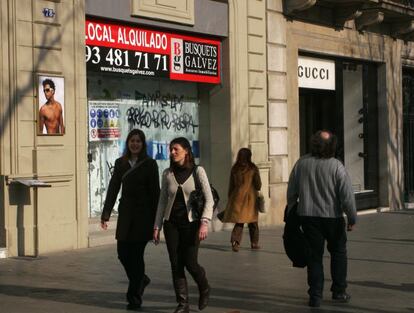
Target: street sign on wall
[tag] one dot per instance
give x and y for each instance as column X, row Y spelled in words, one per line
column 114, row 48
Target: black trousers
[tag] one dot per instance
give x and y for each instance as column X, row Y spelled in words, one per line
column 237, row 233
column 182, row 245
column 131, row 255
column 317, row 230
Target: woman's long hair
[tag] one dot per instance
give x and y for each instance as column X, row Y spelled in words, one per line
column 185, row 144
column 244, row 159
column 127, row 153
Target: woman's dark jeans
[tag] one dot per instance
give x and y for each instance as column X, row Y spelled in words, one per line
column 182, row 244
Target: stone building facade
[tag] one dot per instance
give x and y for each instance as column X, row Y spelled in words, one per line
column 265, row 98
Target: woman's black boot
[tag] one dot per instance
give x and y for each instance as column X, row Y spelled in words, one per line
column 204, row 298
column 203, row 289
column 181, row 294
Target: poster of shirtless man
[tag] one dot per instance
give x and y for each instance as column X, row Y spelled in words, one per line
column 51, row 106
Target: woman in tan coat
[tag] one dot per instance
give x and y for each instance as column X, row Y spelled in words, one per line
column 243, row 188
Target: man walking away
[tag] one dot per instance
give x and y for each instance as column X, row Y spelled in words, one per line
column 321, row 187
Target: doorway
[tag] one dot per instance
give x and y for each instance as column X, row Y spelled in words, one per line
column 318, row 110
column 408, row 134
column 350, row 111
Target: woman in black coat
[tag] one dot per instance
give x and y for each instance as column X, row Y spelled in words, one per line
column 138, row 175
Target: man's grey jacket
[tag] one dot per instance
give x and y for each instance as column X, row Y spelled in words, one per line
column 322, row 188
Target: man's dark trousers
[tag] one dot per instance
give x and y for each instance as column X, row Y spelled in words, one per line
column 317, row 230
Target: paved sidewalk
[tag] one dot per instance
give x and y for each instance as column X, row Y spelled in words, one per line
column 381, row 276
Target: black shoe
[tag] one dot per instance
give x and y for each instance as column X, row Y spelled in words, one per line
column 341, row 297
column 134, row 302
column 132, row 307
column 314, row 302
column 145, row 282
column 204, row 297
column 182, row 308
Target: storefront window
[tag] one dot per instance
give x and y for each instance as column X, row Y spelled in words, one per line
column 354, row 124
column 162, row 108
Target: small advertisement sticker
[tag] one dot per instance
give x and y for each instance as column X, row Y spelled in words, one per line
column 104, row 121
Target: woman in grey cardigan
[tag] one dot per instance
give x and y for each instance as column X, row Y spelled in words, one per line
column 183, row 232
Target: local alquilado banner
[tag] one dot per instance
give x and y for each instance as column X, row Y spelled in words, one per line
column 115, row 48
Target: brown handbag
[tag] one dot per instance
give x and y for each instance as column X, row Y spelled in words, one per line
column 260, row 202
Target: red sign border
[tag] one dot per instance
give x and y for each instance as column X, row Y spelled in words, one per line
column 173, row 76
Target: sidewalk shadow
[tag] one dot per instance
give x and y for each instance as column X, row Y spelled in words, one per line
column 380, row 261
column 376, row 284
column 405, row 212
column 227, row 248
column 221, row 298
column 388, row 241
column 264, row 301
column 248, row 301
column 104, row 299
column 402, row 240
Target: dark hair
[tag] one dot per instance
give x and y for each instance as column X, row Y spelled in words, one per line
column 323, row 144
column 49, row 82
column 185, row 144
column 127, row 152
column 244, row 159
column 244, row 156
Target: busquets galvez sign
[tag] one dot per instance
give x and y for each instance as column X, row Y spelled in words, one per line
column 115, row 48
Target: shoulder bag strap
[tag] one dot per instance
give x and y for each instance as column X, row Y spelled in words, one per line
column 196, row 179
column 136, row 165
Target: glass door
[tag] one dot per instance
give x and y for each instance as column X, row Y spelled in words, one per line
column 408, row 133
